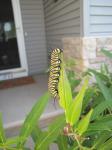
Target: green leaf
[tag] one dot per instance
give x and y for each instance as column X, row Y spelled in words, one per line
column 53, row 132
column 32, row 119
column 100, row 109
column 62, row 142
column 76, row 105
column 101, row 139
column 107, row 145
column 73, row 148
column 101, row 75
column 107, row 120
column 98, row 98
column 107, row 53
column 102, row 124
column 84, row 123
column 97, row 127
column 64, row 89
column 2, row 133
column 105, row 91
column 41, row 138
column 88, row 97
column 36, row 133
column 104, row 69
column 12, row 141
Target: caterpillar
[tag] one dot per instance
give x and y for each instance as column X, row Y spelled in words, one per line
column 54, row 72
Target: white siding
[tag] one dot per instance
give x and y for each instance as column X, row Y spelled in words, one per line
column 100, row 18
column 62, row 19
column 33, row 25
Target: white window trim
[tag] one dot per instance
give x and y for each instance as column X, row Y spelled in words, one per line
column 84, row 17
column 23, row 70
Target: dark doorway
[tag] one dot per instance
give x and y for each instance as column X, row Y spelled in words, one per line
column 9, row 55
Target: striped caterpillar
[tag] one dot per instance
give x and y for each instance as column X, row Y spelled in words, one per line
column 54, row 72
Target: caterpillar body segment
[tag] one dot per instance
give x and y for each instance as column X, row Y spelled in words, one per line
column 54, row 72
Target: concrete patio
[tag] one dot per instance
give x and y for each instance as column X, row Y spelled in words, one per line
column 15, row 103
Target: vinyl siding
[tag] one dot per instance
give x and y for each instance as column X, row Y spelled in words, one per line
column 34, row 31
column 62, row 19
column 100, row 17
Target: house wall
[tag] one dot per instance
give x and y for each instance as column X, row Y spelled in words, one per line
column 95, row 34
column 62, row 19
column 100, row 18
column 87, row 51
column 34, row 32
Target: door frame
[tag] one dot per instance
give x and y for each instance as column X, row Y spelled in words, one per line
column 23, row 70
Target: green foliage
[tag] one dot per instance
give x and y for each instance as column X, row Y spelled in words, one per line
column 107, row 145
column 62, row 142
column 104, row 89
column 87, row 122
column 101, row 139
column 36, row 133
column 53, row 131
column 107, row 53
column 84, row 123
column 89, row 94
column 64, row 89
column 2, row 134
column 31, row 119
column 100, row 108
column 73, row 77
column 75, row 107
column 27, row 128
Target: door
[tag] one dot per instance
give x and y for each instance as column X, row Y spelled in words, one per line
column 12, row 47
column 9, row 54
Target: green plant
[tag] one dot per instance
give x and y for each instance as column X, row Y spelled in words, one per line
column 103, row 83
column 83, row 126
column 18, row 143
column 73, row 77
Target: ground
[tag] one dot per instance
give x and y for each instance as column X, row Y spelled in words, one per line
column 15, row 103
